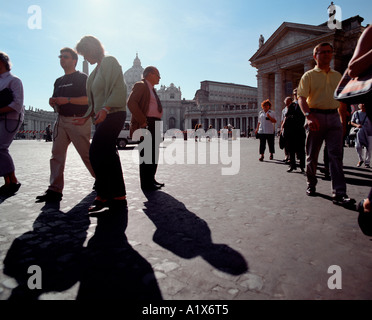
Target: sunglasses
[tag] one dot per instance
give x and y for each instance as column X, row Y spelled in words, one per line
column 64, row 56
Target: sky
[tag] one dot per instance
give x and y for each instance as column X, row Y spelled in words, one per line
column 189, row 41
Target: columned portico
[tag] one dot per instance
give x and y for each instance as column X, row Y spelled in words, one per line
column 288, row 54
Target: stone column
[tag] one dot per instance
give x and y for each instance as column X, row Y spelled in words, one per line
column 262, row 87
column 279, row 96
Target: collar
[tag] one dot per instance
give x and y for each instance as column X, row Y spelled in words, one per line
column 5, row 74
column 149, row 84
column 317, row 69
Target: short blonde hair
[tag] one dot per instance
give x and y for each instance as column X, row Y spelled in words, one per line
column 92, row 46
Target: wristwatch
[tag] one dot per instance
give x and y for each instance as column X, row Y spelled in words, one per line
column 306, row 114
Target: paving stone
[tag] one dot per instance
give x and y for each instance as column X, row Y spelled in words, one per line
column 250, row 236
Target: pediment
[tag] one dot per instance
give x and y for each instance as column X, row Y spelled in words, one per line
column 288, row 36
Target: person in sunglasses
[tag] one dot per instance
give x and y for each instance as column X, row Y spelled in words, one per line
column 70, row 101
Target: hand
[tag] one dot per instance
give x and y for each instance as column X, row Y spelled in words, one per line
column 100, row 116
column 52, row 102
column 312, row 123
column 61, row 101
column 367, row 205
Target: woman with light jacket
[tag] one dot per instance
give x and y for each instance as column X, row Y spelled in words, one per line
column 107, row 95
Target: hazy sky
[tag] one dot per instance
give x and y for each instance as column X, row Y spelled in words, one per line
column 189, row 41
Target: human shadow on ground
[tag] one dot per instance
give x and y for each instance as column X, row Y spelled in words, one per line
column 3, row 198
column 113, row 269
column 108, row 268
column 186, row 235
column 55, row 245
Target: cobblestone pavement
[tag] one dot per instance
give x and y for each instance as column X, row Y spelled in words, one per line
column 253, row 235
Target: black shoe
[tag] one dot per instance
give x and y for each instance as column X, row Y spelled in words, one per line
column 158, row 184
column 303, row 170
column 291, row 169
column 343, row 200
column 10, row 189
column 310, row 191
column 49, row 196
column 150, row 187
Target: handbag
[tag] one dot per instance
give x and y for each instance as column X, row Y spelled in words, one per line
column 353, row 132
column 6, row 97
column 354, row 90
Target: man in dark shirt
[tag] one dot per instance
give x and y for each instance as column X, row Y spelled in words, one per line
column 70, row 101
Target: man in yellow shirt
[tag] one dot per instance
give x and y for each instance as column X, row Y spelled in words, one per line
column 325, row 121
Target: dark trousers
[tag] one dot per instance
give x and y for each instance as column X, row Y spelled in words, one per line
column 296, row 146
column 149, row 153
column 270, row 141
column 104, row 157
column 331, row 132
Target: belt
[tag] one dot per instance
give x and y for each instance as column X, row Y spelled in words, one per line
column 72, row 115
column 153, row 119
column 324, row 111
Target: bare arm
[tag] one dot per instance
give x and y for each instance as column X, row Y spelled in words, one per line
column 362, row 58
column 74, row 100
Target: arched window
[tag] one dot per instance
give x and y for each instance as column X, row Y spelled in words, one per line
column 172, row 123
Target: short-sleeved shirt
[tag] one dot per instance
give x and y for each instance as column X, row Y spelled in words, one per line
column 8, row 80
column 266, row 126
column 318, row 87
column 71, row 85
column 284, row 112
column 360, row 117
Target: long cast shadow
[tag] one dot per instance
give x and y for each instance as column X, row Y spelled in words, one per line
column 108, row 268
column 186, row 235
column 55, row 245
column 113, row 269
